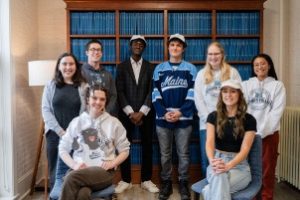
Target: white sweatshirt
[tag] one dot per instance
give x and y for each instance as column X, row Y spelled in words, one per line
column 93, row 140
column 266, row 102
column 206, row 95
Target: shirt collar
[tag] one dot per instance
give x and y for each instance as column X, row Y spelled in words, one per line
column 138, row 62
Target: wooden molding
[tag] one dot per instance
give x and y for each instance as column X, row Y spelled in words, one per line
column 162, row 5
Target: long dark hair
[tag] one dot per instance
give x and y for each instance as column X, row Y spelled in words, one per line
column 77, row 77
column 271, row 71
column 222, row 118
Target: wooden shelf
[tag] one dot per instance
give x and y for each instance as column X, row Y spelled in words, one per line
column 213, row 7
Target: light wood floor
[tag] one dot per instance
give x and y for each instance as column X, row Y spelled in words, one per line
column 283, row 191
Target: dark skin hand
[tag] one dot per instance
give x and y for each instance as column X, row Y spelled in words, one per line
column 136, row 117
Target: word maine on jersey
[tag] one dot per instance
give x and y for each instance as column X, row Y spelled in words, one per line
column 172, row 82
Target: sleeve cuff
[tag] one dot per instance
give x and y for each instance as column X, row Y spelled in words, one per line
column 145, row 109
column 128, row 109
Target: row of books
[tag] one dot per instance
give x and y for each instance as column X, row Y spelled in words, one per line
column 238, row 23
column 109, row 49
column 240, row 49
column 196, row 49
column 189, row 22
column 136, row 154
column 141, row 23
column 92, row 23
column 244, row 70
column 149, row 23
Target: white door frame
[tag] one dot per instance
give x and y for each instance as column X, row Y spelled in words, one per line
column 7, row 180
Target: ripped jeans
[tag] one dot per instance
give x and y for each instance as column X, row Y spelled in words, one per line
column 221, row 186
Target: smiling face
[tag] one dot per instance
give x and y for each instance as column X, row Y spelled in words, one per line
column 67, row 68
column 96, row 102
column 94, row 53
column 214, row 56
column 176, row 49
column 261, row 68
column 137, row 47
column 230, row 96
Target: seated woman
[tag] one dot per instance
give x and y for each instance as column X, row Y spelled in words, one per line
column 230, row 134
column 94, row 137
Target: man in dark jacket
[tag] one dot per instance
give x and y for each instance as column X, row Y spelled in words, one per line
column 133, row 83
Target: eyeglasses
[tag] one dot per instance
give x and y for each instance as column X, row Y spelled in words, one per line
column 95, row 50
column 214, row 54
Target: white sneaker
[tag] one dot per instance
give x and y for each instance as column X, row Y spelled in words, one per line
column 122, row 186
column 148, row 185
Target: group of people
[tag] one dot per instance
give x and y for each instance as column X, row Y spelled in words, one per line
column 90, row 118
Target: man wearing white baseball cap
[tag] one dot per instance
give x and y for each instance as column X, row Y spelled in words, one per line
column 133, row 82
column 173, row 100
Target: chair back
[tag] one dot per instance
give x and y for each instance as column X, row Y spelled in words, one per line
column 255, row 162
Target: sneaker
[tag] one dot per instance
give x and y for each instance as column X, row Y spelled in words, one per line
column 184, row 190
column 166, row 190
column 122, row 186
column 148, row 185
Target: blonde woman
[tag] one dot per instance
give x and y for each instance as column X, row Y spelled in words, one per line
column 207, row 89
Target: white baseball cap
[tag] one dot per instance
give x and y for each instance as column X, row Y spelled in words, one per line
column 138, row 37
column 179, row 37
column 231, row 83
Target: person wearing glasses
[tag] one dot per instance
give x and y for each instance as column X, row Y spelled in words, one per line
column 95, row 73
column 133, row 81
column 207, row 89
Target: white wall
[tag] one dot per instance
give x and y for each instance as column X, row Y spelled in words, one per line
column 6, row 137
column 294, row 52
column 281, row 42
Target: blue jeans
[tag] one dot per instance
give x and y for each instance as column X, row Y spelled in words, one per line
column 203, row 158
column 182, row 138
column 222, row 185
column 61, row 170
column 52, row 140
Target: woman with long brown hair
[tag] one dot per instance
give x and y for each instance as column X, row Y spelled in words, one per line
column 230, row 134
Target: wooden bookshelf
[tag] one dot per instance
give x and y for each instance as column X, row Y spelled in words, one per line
column 210, row 8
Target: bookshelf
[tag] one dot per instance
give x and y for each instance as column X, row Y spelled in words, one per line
column 237, row 24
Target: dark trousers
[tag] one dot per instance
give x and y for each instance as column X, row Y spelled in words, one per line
column 52, row 140
column 146, row 132
column 270, row 154
column 79, row 184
